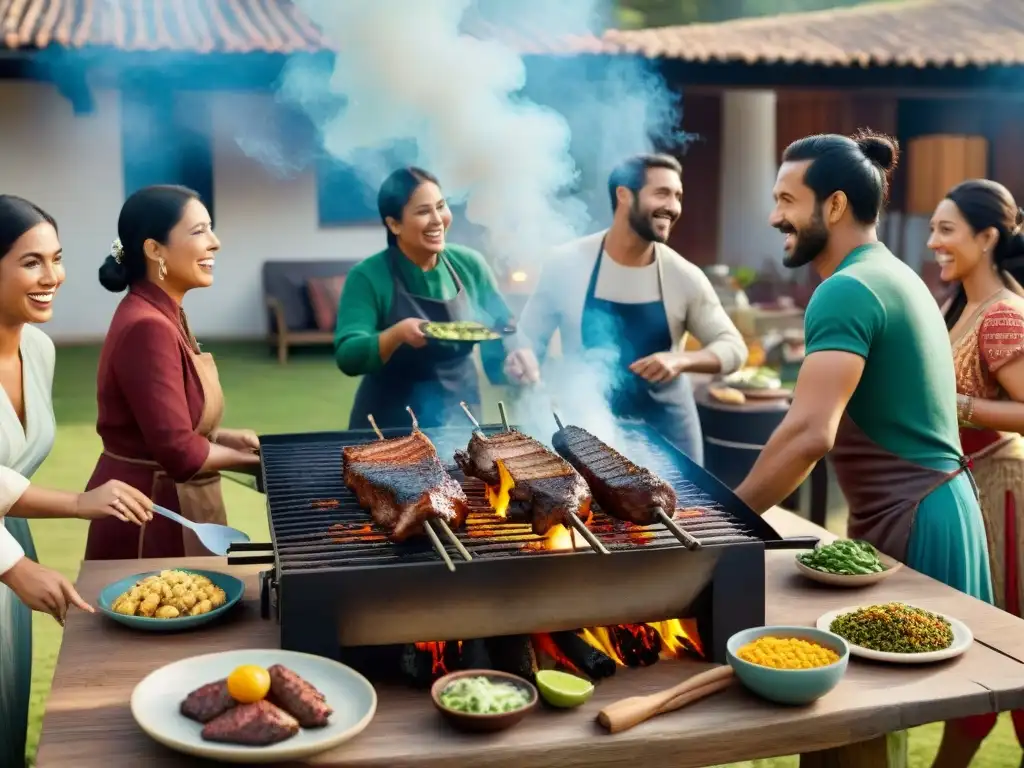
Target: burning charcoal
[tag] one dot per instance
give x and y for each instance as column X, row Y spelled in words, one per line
column 422, row 663
column 585, row 657
column 472, row 654
column 513, row 654
column 639, row 645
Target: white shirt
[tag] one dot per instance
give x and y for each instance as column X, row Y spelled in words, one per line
column 627, row 285
column 12, row 486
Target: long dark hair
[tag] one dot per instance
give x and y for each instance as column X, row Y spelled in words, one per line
column 149, row 214
column 988, row 204
column 18, row 216
column 395, row 192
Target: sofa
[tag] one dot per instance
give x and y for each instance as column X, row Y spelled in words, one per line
column 302, row 300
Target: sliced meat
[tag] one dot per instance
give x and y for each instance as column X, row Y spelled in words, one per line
column 298, row 698
column 402, row 483
column 623, row 489
column 208, row 702
column 253, row 725
column 546, row 488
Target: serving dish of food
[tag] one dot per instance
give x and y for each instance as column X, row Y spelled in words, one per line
column 757, row 382
column 483, row 700
column 899, row 633
column 846, row 563
column 253, row 706
column 170, row 600
column 465, row 331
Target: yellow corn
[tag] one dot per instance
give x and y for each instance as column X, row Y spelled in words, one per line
column 787, row 653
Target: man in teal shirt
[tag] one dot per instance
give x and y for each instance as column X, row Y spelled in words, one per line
column 877, row 387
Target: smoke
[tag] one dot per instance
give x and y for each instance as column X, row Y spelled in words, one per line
column 525, row 144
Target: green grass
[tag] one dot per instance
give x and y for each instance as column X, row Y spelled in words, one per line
column 308, row 394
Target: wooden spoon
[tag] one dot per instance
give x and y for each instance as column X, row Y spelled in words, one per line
column 626, row 713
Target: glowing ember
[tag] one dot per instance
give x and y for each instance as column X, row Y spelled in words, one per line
column 498, row 497
column 635, row 645
column 325, row 504
column 436, row 651
column 349, row 534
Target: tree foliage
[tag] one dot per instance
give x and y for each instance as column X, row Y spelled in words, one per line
column 637, row 14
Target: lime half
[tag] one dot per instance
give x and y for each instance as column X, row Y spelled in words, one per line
column 563, row 690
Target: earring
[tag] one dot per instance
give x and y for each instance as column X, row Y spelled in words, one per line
column 162, row 269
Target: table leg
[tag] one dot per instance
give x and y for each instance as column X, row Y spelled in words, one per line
column 864, row 754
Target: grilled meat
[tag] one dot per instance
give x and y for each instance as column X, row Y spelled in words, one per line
column 623, row 489
column 254, row 725
column 208, row 702
column 297, row 697
column 546, row 488
column 402, row 483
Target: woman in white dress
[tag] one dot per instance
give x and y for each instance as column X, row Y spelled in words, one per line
column 30, row 274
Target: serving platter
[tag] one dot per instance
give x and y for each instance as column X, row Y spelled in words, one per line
column 233, row 589
column 463, row 332
column 963, row 638
column 854, row 580
column 157, row 698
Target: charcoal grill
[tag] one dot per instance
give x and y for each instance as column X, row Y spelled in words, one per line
column 337, row 582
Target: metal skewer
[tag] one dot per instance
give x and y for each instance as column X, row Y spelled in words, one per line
column 574, row 519
column 438, row 546
column 476, row 424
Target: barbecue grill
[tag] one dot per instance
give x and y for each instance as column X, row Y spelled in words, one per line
column 336, row 582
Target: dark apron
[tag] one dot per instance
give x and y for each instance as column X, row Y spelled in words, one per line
column 614, row 336
column 431, row 380
column 883, row 490
column 15, row 659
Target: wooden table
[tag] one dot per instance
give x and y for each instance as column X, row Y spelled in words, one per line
column 88, row 723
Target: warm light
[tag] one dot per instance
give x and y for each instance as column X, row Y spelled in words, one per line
column 499, row 498
column 518, row 276
column 672, row 639
column 560, row 537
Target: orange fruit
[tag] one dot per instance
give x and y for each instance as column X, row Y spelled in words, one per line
column 248, row 684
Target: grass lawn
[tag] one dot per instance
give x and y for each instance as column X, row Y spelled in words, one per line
column 308, row 394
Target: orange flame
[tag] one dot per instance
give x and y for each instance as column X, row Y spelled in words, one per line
column 499, row 497
column 437, row 650
column 629, row 644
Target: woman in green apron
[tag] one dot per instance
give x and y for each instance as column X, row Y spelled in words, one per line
column 387, row 297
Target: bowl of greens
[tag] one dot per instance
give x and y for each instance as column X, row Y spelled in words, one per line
column 846, row 563
column 483, row 699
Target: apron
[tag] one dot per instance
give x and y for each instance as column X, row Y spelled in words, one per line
column 200, row 499
column 432, row 380
column 883, row 490
column 616, row 335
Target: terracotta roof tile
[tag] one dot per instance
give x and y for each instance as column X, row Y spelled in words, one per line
column 913, row 33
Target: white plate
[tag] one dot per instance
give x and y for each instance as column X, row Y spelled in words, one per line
column 156, row 701
column 962, row 639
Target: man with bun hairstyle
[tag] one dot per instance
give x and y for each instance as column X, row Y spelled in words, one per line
column 877, row 389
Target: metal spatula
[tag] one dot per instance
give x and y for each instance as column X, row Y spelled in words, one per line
column 216, row 538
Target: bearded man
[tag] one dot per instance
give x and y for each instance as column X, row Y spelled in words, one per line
column 624, row 302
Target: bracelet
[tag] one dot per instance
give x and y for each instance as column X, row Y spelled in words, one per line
column 964, row 408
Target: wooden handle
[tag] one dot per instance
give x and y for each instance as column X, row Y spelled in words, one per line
column 626, row 713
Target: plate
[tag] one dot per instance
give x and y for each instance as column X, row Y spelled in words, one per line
column 471, row 332
column 765, row 394
column 857, row 580
column 962, row 639
column 233, row 588
column 156, row 700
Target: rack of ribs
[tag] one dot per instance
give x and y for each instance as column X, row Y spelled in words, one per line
column 402, row 483
column 622, row 489
column 546, row 491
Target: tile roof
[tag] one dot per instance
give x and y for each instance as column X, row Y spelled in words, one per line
column 915, row 33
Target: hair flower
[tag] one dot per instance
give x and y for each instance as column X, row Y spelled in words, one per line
column 117, row 250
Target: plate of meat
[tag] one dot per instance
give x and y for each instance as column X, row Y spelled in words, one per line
column 253, row 706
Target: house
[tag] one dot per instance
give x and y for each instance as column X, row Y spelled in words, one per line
column 100, row 97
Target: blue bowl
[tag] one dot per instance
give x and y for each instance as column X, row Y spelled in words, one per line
column 789, row 686
column 233, row 589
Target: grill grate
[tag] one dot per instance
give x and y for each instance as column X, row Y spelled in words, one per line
column 316, row 521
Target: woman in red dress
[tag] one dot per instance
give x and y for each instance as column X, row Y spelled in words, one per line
column 160, row 401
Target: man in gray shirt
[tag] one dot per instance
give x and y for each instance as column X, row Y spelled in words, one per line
column 623, row 303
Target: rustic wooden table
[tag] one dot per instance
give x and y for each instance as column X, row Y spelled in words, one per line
column 88, row 723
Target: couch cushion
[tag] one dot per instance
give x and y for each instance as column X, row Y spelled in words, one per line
column 286, row 281
column 324, row 297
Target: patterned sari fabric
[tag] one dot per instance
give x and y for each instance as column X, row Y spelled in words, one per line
column 993, row 337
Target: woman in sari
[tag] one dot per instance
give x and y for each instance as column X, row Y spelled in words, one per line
column 159, row 396
column 977, row 240
column 31, row 272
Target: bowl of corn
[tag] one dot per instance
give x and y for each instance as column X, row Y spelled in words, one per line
column 788, row 665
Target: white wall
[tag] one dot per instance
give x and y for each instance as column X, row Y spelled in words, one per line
column 71, row 166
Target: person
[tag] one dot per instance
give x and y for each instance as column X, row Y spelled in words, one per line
column 623, row 302
column 977, row 240
column 31, row 272
column 159, row 397
column 388, row 296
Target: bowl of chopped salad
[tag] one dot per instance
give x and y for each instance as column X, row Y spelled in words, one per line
column 483, row 700
column 846, row 563
column 788, row 665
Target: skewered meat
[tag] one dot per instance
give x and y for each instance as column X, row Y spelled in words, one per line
column 402, row 483
column 208, row 702
column 623, row 489
column 546, row 488
column 255, row 725
column 297, row 697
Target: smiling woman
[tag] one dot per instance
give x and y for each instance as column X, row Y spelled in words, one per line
column 160, row 401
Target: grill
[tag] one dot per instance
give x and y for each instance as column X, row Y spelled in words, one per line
column 337, row 581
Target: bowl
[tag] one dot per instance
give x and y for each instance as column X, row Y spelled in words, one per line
column 233, row 588
column 468, row 721
column 891, row 565
column 789, row 686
